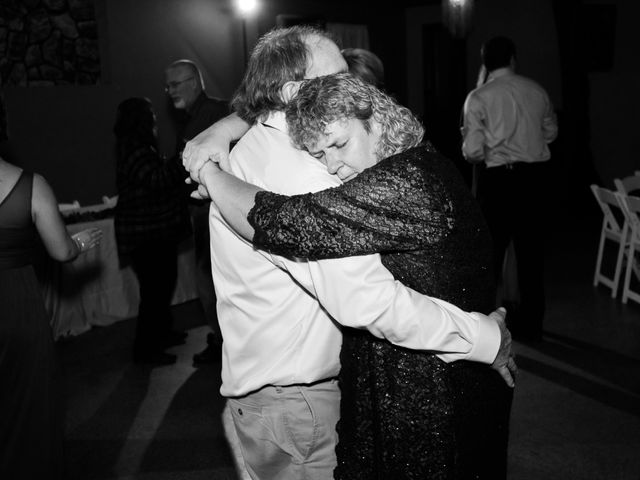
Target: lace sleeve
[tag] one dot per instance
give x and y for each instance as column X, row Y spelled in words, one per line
column 394, row 206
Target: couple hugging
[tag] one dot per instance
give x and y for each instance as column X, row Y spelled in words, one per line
column 348, row 351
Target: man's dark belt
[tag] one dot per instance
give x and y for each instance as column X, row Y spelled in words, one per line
column 514, row 165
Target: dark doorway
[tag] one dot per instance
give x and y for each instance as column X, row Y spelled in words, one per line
column 445, row 88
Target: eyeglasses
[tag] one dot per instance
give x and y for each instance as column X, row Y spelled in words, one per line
column 176, row 84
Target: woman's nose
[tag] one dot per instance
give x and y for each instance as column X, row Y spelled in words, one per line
column 333, row 165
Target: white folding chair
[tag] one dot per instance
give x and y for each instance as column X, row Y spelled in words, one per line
column 628, row 185
column 614, row 228
column 631, row 208
column 110, row 201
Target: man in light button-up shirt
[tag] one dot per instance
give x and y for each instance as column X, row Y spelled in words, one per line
column 280, row 318
column 508, row 123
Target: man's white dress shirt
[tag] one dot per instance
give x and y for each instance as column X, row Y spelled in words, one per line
column 277, row 314
column 509, row 119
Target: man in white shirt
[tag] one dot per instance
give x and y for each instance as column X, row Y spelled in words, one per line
column 279, row 317
column 508, row 123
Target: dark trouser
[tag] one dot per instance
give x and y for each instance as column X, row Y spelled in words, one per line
column 204, row 281
column 156, row 267
column 514, row 205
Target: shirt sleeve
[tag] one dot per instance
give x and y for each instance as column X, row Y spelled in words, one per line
column 360, row 292
column 391, row 207
column 473, row 129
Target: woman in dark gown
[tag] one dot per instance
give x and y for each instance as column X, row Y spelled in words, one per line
column 31, row 417
column 404, row 414
column 415, row 208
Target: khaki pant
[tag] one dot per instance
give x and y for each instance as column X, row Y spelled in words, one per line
column 288, row 433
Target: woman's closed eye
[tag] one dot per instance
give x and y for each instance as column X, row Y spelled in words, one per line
column 317, row 155
column 336, row 146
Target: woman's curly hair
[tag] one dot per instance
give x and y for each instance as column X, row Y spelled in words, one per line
column 324, row 100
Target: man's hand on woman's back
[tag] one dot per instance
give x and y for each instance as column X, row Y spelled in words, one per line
column 504, row 362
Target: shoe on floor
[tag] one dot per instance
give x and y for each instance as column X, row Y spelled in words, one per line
column 154, row 358
column 179, row 333
column 173, row 338
column 526, row 337
column 211, row 354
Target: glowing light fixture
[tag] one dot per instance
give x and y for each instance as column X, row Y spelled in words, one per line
column 246, row 7
column 456, row 15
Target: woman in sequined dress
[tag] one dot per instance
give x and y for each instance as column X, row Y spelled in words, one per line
column 404, row 414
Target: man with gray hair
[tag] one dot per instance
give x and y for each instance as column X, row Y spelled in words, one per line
column 195, row 111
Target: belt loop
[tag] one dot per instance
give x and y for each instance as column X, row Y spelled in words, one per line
column 509, row 166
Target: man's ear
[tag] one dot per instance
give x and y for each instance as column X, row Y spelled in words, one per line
column 289, row 91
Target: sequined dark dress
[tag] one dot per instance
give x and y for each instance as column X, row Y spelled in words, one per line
column 31, row 424
column 404, row 414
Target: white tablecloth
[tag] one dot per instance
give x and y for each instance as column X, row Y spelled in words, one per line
column 93, row 289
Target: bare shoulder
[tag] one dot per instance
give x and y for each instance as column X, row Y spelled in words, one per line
column 40, row 185
column 42, row 193
column 9, row 173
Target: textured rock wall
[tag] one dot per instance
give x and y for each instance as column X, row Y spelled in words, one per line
column 48, row 42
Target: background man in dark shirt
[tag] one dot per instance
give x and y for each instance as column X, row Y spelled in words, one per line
column 195, row 111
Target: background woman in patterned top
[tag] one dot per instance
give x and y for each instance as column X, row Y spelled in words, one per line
column 151, row 218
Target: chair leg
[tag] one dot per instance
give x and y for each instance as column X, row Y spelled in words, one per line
column 618, row 270
column 636, row 268
column 627, row 276
column 596, row 275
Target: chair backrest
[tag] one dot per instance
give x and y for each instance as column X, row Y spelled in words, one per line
column 631, row 208
column 628, row 185
column 609, row 203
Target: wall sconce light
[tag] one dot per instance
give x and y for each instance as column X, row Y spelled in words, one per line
column 456, row 15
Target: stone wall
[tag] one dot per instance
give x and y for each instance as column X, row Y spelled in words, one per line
column 48, row 42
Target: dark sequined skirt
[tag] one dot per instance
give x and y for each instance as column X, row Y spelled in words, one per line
column 409, row 415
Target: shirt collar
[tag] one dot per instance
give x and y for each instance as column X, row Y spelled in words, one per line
column 277, row 120
column 499, row 72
